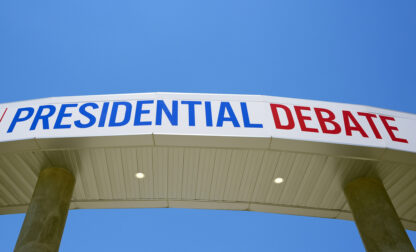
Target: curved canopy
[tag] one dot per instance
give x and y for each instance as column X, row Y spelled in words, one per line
column 207, row 151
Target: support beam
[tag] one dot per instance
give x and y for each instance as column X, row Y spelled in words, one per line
column 45, row 218
column 374, row 214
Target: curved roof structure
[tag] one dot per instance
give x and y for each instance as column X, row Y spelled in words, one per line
column 207, row 151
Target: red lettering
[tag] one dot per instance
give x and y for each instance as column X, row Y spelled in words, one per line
column 390, row 129
column 290, row 123
column 302, row 119
column 324, row 120
column 348, row 118
column 370, row 121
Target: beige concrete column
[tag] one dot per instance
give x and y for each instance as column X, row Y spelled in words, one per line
column 377, row 221
column 45, row 218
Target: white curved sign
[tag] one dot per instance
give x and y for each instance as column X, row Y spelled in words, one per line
column 208, row 115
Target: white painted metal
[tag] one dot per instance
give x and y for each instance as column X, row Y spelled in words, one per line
column 214, row 168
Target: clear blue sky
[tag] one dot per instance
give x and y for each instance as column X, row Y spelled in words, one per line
column 346, row 51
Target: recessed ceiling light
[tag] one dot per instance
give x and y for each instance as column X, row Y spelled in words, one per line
column 278, row 180
column 140, row 175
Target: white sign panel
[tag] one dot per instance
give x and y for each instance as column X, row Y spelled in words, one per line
column 207, row 115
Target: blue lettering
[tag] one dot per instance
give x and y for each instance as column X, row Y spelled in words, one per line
column 191, row 110
column 84, row 112
column 113, row 115
column 208, row 113
column 17, row 117
column 44, row 118
column 103, row 114
column 62, row 114
column 246, row 119
column 172, row 116
column 140, row 111
column 226, row 106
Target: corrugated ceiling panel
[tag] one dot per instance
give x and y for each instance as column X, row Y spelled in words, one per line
column 334, row 186
column 235, row 174
column 145, row 165
column 175, row 172
column 403, row 199
column 265, row 176
column 160, row 169
column 20, row 171
column 190, row 173
column 116, row 172
column 395, row 179
column 294, row 179
column 24, row 167
column 87, row 175
column 411, row 214
column 407, row 209
column 283, row 168
column 309, row 180
column 18, row 188
column 323, row 182
column 129, row 164
column 8, row 195
column 99, row 164
column 28, row 162
column 389, row 173
column 206, row 174
column 250, row 175
column 399, row 191
column 220, row 174
column 205, row 171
